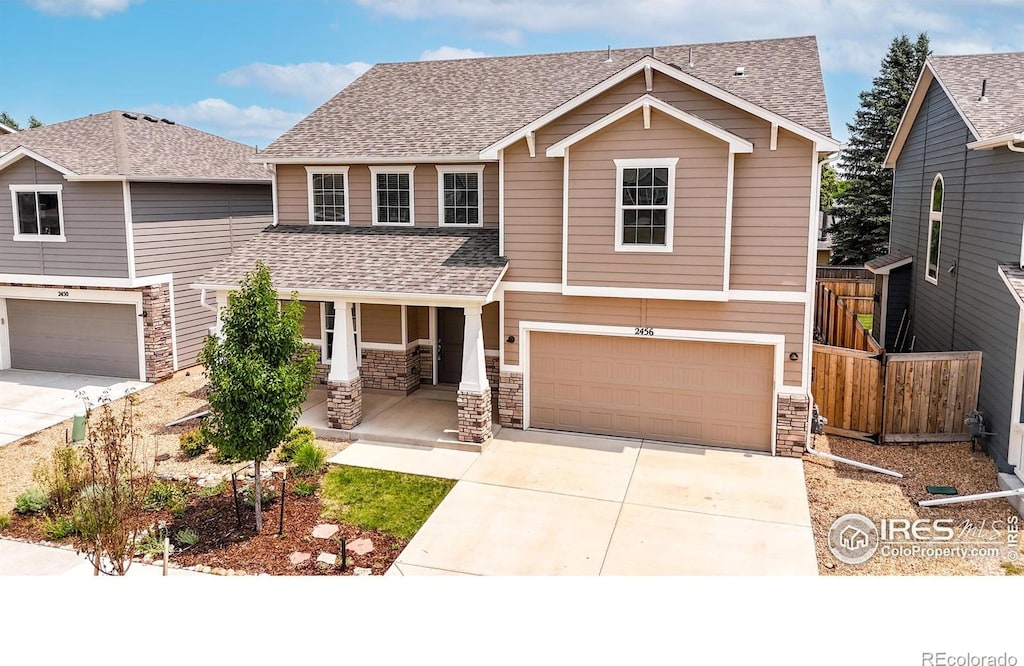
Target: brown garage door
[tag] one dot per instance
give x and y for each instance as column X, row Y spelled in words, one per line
column 83, row 338
column 716, row 394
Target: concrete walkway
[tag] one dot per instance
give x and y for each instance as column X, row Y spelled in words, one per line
column 30, row 559
column 537, row 503
column 31, row 401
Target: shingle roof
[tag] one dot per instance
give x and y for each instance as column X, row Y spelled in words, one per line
column 435, row 261
column 887, row 262
column 112, row 144
column 459, row 107
column 1002, row 112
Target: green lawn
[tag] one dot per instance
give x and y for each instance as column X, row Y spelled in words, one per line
column 866, row 320
column 391, row 502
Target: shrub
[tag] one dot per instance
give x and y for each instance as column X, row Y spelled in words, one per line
column 193, row 442
column 5, row 521
column 166, row 495
column 305, row 488
column 296, row 438
column 268, row 493
column 309, row 459
column 32, row 500
column 213, row 491
column 152, row 544
column 59, row 527
column 62, row 477
column 186, row 537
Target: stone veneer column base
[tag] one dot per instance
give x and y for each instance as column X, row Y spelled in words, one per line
column 344, row 404
column 474, row 416
column 792, row 425
column 510, row 400
column 156, row 332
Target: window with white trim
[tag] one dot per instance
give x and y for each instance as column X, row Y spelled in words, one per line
column 38, row 212
column 328, row 195
column 460, row 196
column 931, row 271
column 644, row 204
column 392, row 195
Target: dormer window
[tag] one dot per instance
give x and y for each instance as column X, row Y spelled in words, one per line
column 645, row 200
column 38, row 212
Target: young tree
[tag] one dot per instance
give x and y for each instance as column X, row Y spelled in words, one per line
column 259, row 371
column 861, row 231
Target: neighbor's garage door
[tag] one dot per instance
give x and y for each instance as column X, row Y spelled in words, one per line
column 83, row 338
column 696, row 392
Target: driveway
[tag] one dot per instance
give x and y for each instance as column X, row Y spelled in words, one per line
column 31, row 401
column 537, row 503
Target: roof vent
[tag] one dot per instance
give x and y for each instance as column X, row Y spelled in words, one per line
column 165, row 120
column 130, row 116
column 690, row 64
column 609, row 58
column 739, row 72
column 984, row 84
column 150, row 119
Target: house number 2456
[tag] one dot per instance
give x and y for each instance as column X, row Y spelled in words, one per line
column 643, row 330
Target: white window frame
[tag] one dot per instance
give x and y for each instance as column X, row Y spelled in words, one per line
column 471, row 168
column 934, row 217
column 654, row 163
column 38, row 237
column 374, row 171
column 312, row 171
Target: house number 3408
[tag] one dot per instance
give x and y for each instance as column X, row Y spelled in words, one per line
column 642, row 330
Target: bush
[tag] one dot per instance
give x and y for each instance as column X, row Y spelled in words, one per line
column 296, row 438
column 60, row 527
column 166, row 495
column 309, row 459
column 63, row 477
column 268, row 493
column 193, row 442
column 186, row 537
column 213, row 491
column 5, row 521
column 32, row 500
column 305, row 488
column 152, row 544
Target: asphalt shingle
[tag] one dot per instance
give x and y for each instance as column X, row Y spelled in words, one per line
column 1002, row 110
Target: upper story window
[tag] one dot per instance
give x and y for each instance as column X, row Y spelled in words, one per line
column 460, row 196
column 38, row 212
column 644, row 204
column 328, row 195
column 392, row 192
column 934, row 230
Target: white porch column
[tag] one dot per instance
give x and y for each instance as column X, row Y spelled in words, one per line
column 474, row 368
column 222, row 304
column 344, row 367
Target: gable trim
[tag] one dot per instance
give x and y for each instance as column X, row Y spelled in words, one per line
column 646, row 102
column 21, row 151
column 822, row 142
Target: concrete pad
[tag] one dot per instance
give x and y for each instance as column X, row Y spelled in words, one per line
column 595, row 467
column 412, row 570
column 491, row 530
column 17, row 421
column 409, row 420
column 407, row 458
column 666, row 542
column 29, row 559
column 728, row 483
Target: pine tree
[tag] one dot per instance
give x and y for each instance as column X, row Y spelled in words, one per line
column 861, row 230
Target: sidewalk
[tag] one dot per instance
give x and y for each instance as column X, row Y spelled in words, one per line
column 28, row 559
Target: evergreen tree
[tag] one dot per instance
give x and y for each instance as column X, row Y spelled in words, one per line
column 861, row 230
column 6, row 119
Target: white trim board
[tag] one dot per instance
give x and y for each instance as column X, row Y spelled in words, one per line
column 21, row 151
column 310, row 172
column 408, row 170
column 478, row 169
column 73, row 295
column 756, row 295
column 79, row 281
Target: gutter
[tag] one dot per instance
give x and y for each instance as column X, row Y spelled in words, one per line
column 1009, row 140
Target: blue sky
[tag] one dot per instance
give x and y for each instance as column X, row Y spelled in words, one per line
column 249, row 70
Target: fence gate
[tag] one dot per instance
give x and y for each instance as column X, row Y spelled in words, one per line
column 847, row 386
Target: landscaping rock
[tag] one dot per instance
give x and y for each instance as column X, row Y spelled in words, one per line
column 325, row 531
column 326, row 559
column 298, row 558
column 362, row 571
column 360, row 547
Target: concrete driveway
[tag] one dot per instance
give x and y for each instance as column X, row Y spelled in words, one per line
column 31, row 401
column 538, row 503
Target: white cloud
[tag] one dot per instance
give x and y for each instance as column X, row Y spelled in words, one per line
column 251, row 124
column 450, row 53
column 312, row 81
column 91, row 8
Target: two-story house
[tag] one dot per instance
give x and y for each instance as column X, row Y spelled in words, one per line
column 953, row 279
column 617, row 242
column 110, row 218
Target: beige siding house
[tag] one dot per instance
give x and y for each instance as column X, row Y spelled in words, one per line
column 613, row 242
column 111, row 217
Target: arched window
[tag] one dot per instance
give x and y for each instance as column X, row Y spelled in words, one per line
column 931, row 272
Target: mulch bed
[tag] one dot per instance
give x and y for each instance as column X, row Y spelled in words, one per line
column 224, row 545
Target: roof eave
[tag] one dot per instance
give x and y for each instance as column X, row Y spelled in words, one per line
column 996, row 141
column 362, row 159
column 356, row 296
column 18, row 153
column 888, row 268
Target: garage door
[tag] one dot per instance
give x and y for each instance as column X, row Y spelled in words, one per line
column 84, row 338
column 715, row 394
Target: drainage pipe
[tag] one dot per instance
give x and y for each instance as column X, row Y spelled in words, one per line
column 187, row 418
column 202, row 301
column 972, row 498
column 855, row 463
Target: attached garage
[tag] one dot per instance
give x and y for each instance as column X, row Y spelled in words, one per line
column 82, row 338
column 710, row 393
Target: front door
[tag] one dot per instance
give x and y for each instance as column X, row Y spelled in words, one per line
column 451, row 332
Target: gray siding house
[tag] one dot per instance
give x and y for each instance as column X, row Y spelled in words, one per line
column 110, row 218
column 955, row 247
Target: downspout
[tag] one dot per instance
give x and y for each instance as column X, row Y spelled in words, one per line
column 202, row 301
column 855, row 463
column 1012, row 145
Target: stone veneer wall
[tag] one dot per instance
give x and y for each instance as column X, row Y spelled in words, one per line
column 474, row 416
column 344, row 404
column 791, row 425
column 426, row 354
column 157, row 332
column 493, row 364
column 510, row 400
column 391, row 370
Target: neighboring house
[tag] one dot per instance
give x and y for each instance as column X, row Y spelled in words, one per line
column 615, row 242
column 825, row 222
column 4, row 129
column 952, row 278
column 110, row 218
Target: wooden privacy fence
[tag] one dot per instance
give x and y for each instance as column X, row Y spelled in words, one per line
column 859, row 295
column 837, row 325
column 844, row 273
column 896, row 397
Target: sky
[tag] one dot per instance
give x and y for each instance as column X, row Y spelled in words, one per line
column 249, row 70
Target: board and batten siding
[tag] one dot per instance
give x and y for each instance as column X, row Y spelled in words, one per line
column 93, row 225
column 744, row 317
column 982, row 222
column 185, row 230
column 293, row 195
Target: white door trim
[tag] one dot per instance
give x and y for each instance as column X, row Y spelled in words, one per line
column 5, row 337
column 1016, row 435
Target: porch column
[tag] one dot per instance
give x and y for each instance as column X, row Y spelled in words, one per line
column 474, row 397
column 344, row 385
